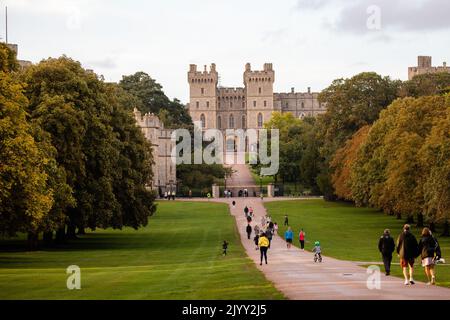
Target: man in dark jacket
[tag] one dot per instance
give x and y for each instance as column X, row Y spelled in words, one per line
column 249, row 231
column 386, row 246
column 408, row 251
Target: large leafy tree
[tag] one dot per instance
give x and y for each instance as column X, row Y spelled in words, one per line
column 343, row 161
column 351, row 104
column 25, row 195
column 97, row 144
column 435, row 153
column 153, row 100
column 389, row 174
column 427, row 84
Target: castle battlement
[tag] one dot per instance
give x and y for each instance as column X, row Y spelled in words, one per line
column 247, row 107
column 424, row 66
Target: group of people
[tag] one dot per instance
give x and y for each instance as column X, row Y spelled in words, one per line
column 408, row 249
column 169, row 195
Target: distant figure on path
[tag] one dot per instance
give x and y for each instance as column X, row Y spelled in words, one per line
column 264, row 245
column 246, row 211
column 286, row 220
column 224, row 247
column 386, row 246
column 269, row 234
column 256, row 229
column 256, row 240
column 288, row 235
column 209, row 196
column 249, row 231
column 263, row 222
column 165, row 195
column 275, row 228
column 408, row 251
column 173, row 195
column 234, row 203
column 190, row 193
column 430, row 251
column 301, row 238
column 250, row 210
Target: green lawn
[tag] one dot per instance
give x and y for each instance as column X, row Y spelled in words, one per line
column 348, row 233
column 177, row 256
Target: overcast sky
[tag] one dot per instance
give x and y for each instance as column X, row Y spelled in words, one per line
column 309, row 42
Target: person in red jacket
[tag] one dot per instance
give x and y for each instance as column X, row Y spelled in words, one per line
column 301, row 238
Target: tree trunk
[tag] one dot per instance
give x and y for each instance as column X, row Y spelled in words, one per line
column 410, row 219
column 432, row 226
column 48, row 238
column 71, row 234
column 420, row 220
column 446, row 231
column 61, row 235
column 32, row 241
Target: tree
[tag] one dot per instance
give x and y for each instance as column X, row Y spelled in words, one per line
column 388, row 172
column 106, row 159
column 351, row 104
column 25, row 197
column 427, row 84
column 343, row 161
column 435, row 153
column 153, row 100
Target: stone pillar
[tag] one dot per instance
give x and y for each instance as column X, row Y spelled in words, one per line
column 215, row 191
column 270, row 190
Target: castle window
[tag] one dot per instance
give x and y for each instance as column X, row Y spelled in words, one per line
column 207, row 104
column 197, row 104
column 265, row 103
column 303, row 104
column 203, row 90
column 203, row 120
column 254, row 103
column 231, row 121
column 260, row 120
column 259, row 90
column 244, row 122
column 219, row 122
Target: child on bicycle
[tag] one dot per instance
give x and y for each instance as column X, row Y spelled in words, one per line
column 317, row 251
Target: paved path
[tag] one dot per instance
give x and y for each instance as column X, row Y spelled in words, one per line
column 294, row 273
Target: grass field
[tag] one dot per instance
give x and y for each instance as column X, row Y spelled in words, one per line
column 349, row 233
column 177, row 256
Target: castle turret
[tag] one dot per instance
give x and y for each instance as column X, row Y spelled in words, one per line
column 203, row 95
column 259, row 94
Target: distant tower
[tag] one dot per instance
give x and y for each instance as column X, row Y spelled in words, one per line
column 203, row 95
column 259, row 95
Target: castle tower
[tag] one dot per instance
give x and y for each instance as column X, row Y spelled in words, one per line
column 259, row 95
column 203, row 95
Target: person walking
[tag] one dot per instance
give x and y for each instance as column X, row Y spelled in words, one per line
column 430, row 251
column 224, row 247
column 246, row 211
column 269, row 234
column 286, row 220
column 234, row 204
column 386, row 246
column 275, row 228
column 408, row 251
column 264, row 244
column 288, row 236
column 256, row 229
column 249, row 231
column 190, row 193
column 256, row 240
column 209, row 196
column 301, row 238
column 165, row 195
